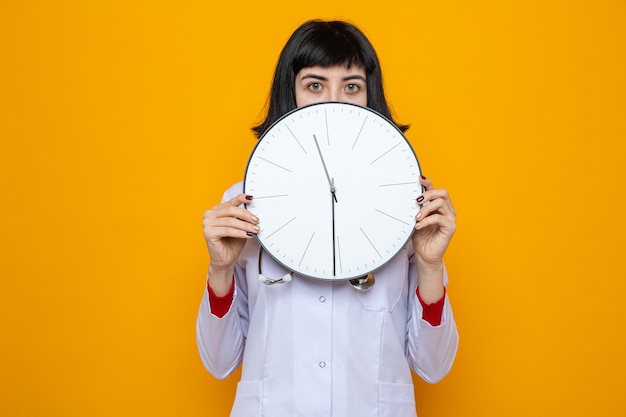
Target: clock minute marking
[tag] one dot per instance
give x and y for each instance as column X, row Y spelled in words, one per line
column 385, row 153
column 370, row 242
column 275, row 164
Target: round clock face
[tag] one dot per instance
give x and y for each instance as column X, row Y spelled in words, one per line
column 335, row 188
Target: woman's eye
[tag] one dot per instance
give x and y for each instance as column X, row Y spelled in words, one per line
column 352, row 88
column 315, row 86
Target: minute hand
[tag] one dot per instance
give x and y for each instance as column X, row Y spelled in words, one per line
column 331, row 182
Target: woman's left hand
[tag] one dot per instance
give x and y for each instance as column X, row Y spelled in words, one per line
column 436, row 224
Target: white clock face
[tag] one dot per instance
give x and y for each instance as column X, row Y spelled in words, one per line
column 335, row 188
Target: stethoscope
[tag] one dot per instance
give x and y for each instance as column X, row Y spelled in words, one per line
column 363, row 283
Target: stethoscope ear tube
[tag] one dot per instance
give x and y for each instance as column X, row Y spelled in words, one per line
column 363, row 283
column 270, row 281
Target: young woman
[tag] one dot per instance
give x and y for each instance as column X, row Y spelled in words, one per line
column 320, row 348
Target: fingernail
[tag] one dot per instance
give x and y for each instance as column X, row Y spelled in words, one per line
column 250, row 233
column 255, row 218
column 420, row 199
column 419, row 215
column 248, row 197
column 422, row 177
column 257, row 228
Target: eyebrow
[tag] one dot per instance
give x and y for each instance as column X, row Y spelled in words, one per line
column 322, row 78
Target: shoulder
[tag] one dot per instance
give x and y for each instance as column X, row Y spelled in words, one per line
column 233, row 191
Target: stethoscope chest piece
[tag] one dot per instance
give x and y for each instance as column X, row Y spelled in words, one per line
column 363, row 283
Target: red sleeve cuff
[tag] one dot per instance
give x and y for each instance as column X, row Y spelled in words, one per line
column 220, row 305
column 433, row 312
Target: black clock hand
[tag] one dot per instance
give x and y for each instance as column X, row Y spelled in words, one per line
column 333, row 200
column 331, row 182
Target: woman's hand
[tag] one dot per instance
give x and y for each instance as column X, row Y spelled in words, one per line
column 436, row 224
column 226, row 228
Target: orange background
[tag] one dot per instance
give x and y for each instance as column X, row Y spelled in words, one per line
column 122, row 121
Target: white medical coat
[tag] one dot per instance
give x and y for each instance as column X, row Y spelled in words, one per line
column 319, row 348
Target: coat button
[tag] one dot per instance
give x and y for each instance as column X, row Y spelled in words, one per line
column 322, row 299
column 322, row 364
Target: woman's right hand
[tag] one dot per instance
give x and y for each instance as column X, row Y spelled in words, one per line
column 226, row 228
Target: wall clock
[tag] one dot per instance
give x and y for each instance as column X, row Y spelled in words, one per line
column 335, row 188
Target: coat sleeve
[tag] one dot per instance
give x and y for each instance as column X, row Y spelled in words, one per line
column 221, row 341
column 431, row 349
